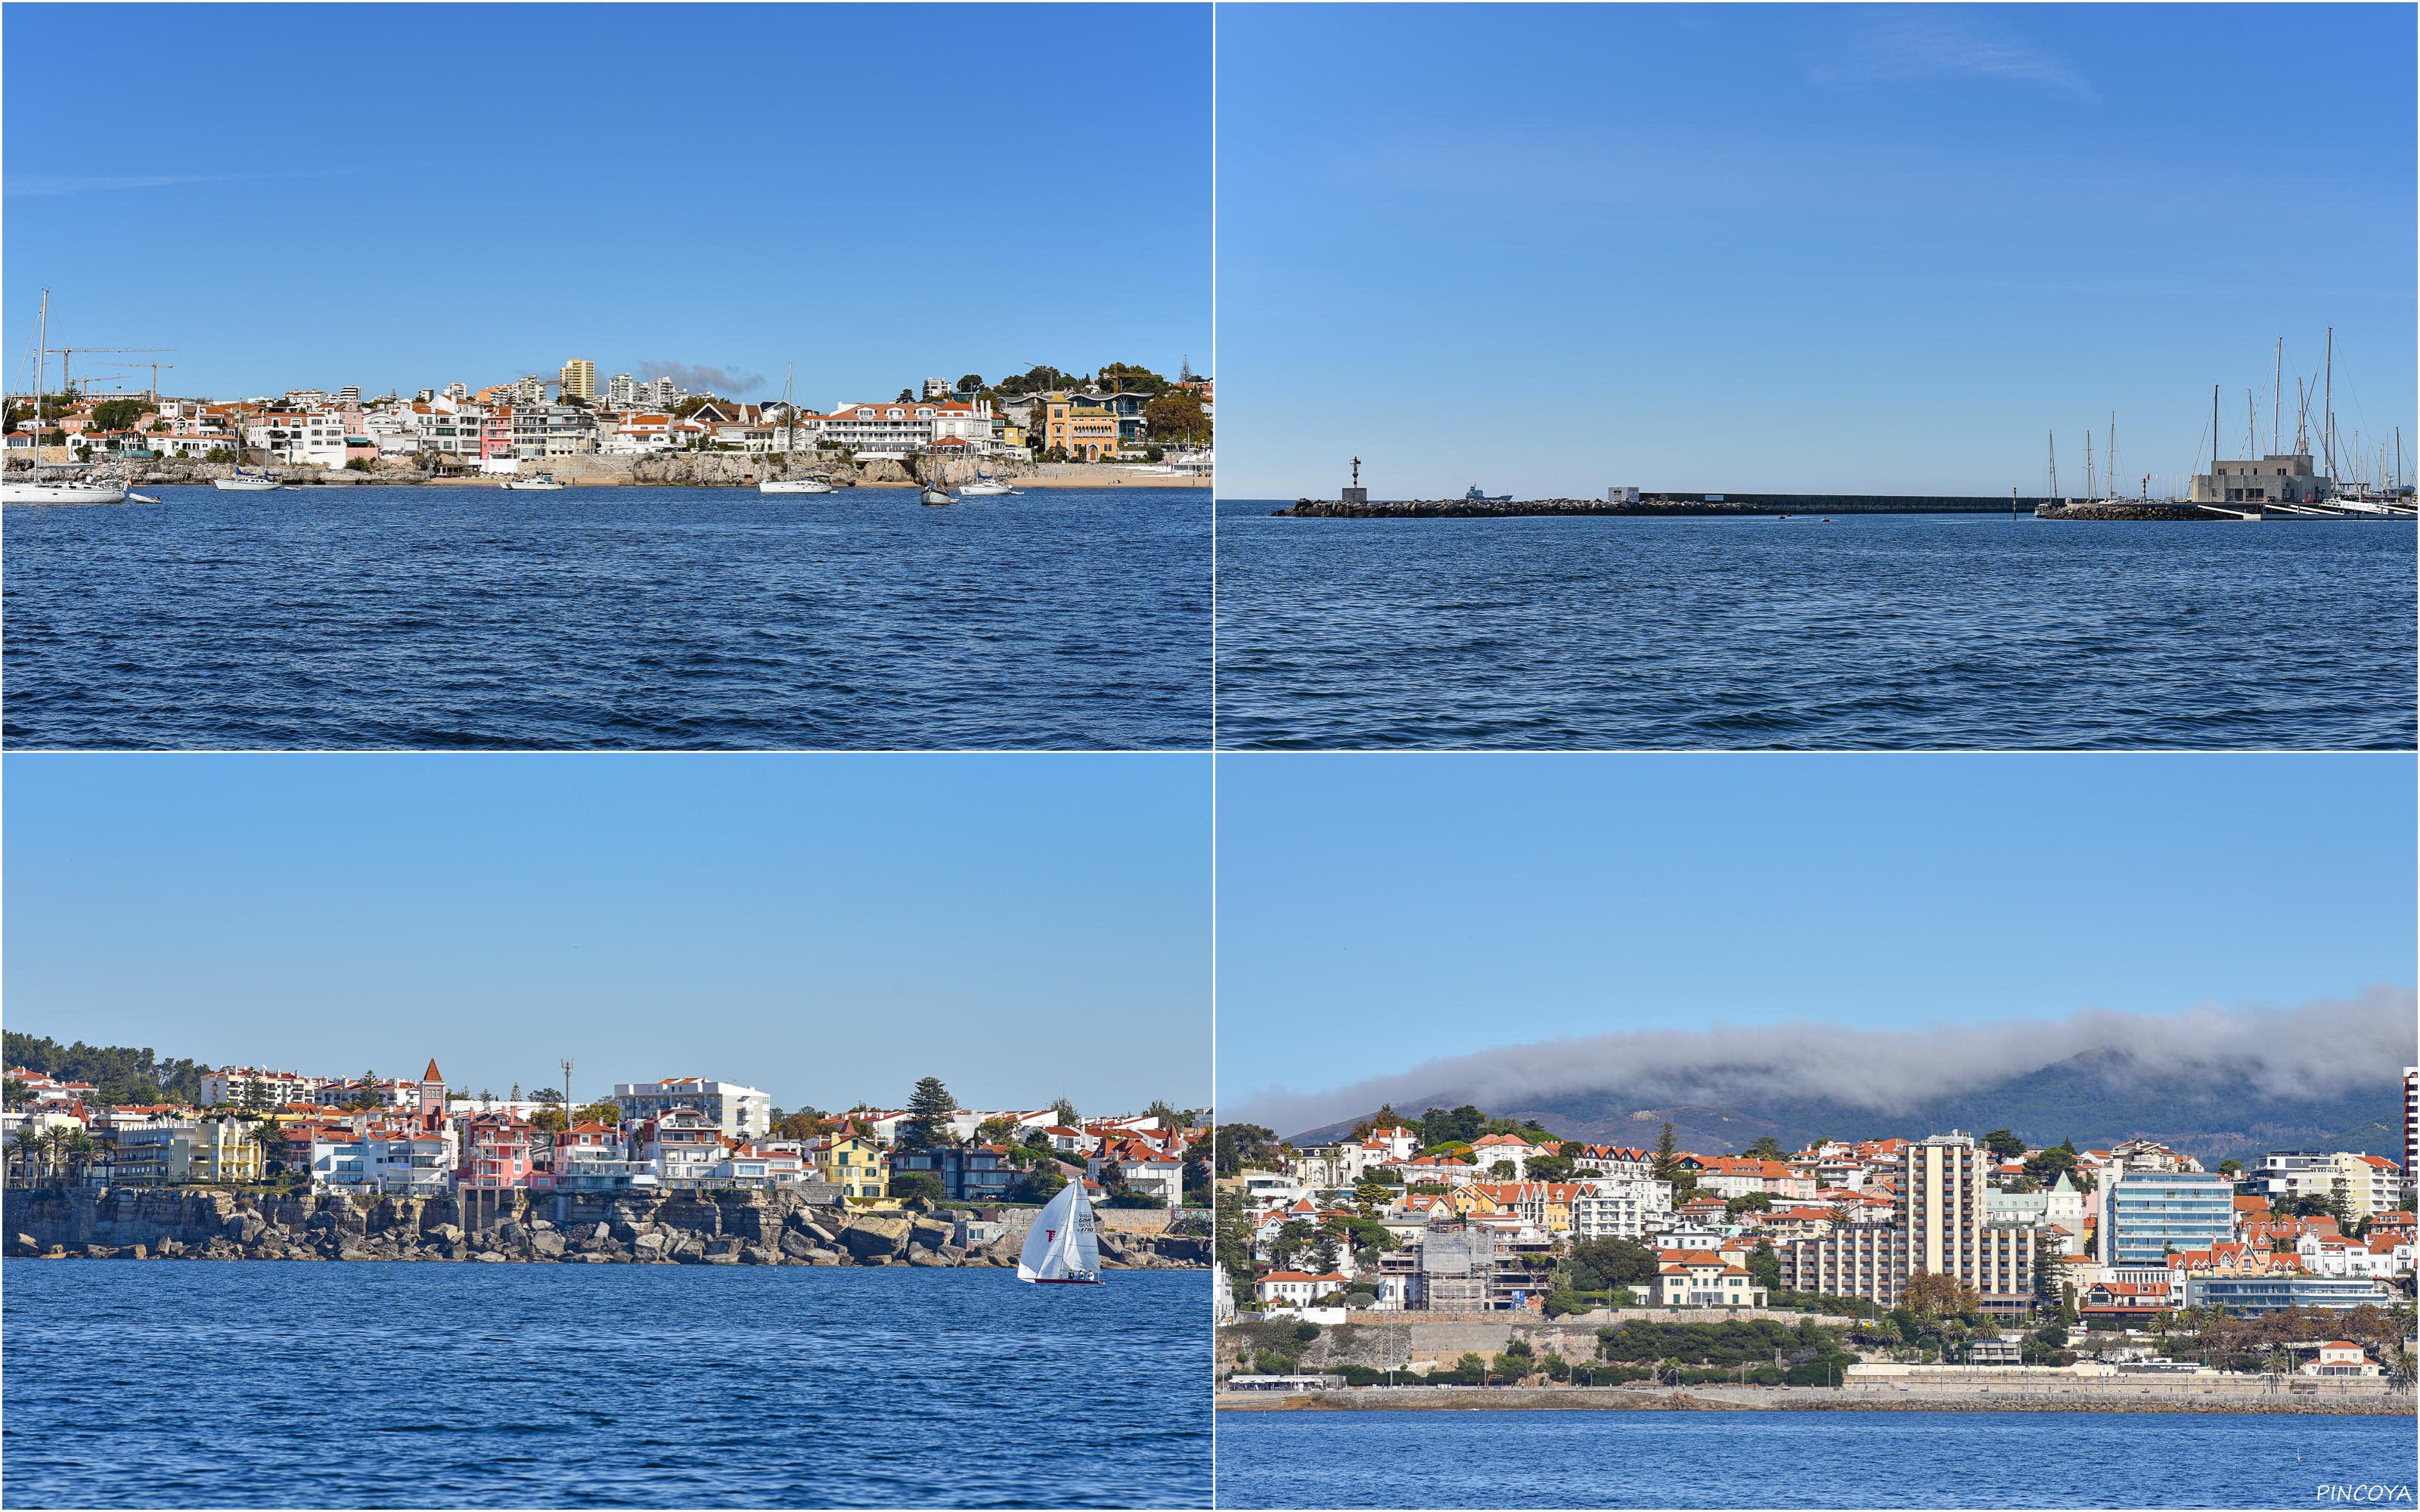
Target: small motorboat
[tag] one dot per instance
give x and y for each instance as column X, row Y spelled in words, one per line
column 985, row 487
column 542, row 483
column 134, row 498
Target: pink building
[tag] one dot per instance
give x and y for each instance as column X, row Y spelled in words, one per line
column 495, row 1153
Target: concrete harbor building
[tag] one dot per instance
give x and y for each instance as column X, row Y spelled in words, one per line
column 2292, row 479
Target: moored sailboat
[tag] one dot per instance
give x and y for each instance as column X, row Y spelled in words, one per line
column 38, row 490
column 1061, row 1249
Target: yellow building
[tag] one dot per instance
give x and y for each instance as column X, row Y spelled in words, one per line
column 215, row 1150
column 851, row 1160
column 579, row 378
column 1079, row 428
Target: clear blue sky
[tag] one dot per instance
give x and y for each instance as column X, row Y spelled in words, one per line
column 1781, row 247
column 1375, row 912
column 400, row 196
column 828, row 928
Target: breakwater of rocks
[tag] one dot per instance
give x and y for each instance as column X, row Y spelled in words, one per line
column 1663, row 504
column 2139, row 511
column 680, row 1229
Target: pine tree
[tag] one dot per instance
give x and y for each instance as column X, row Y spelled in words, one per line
column 928, row 1112
column 1667, row 1159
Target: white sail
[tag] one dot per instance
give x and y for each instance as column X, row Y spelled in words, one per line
column 1061, row 1246
column 1084, row 1256
column 1045, row 1243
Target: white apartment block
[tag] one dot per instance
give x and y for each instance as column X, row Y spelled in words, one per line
column 739, row 1112
column 228, row 1085
column 1619, row 1208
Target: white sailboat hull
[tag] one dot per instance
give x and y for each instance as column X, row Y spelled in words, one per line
column 795, row 486
column 246, row 484
column 938, row 496
column 983, row 490
column 63, row 493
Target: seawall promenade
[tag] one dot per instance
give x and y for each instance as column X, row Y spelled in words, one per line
column 2120, row 1395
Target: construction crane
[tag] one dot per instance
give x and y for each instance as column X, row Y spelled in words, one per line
column 65, row 354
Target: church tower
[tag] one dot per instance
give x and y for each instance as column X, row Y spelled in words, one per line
column 432, row 1091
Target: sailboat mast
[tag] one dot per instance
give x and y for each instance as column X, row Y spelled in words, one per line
column 41, row 346
column 2090, row 491
column 2328, row 411
column 2276, row 393
column 2109, row 478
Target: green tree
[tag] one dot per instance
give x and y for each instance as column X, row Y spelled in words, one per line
column 1667, row 1156
column 929, row 1107
column 1234, row 1145
column 2231, row 1169
column 2048, row 1165
column 2004, row 1144
column 1551, row 1168
column 1767, row 1147
column 1039, row 1184
column 970, row 383
column 15, row 1093
column 1606, row 1264
column 1169, row 1118
column 117, row 414
column 367, row 1098
column 1176, row 416
column 911, row 1186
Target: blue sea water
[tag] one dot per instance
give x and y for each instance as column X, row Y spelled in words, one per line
column 646, row 618
column 1889, row 631
column 165, row 1384
column 1809, row 1460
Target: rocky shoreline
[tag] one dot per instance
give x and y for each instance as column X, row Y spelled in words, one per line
column 733, row 1229
column 682, row 469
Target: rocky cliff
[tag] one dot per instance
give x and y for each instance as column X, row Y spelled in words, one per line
column 683, row 1229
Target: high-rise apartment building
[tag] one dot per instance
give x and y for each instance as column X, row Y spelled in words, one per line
column 2410, row 1121
column 1940, row 1227
column 580, row 380
column 622, row 392
column 2143, row 1214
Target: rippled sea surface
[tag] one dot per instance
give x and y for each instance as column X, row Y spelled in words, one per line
column 651, row 618
column 1809, row 1460
column 1892, row 631
column 262, row 1384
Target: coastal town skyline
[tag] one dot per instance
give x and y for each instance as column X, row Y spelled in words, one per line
column 331, row 917
column 755, row 250
column 1916, row 243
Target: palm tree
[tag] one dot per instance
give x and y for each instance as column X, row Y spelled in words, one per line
column 58, row 1136
column 24, row 1147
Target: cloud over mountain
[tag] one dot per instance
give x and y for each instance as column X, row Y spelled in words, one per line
column 2314, row 1050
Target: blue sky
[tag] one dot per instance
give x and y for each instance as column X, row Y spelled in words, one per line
column 1780, row 247
column 828, row 928
column 402, row 196
column 1376, row 912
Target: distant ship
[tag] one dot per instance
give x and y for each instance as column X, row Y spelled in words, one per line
column 1475, row 497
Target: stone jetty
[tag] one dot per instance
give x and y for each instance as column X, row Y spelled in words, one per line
column 680, row 1229
column 1663, row 506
